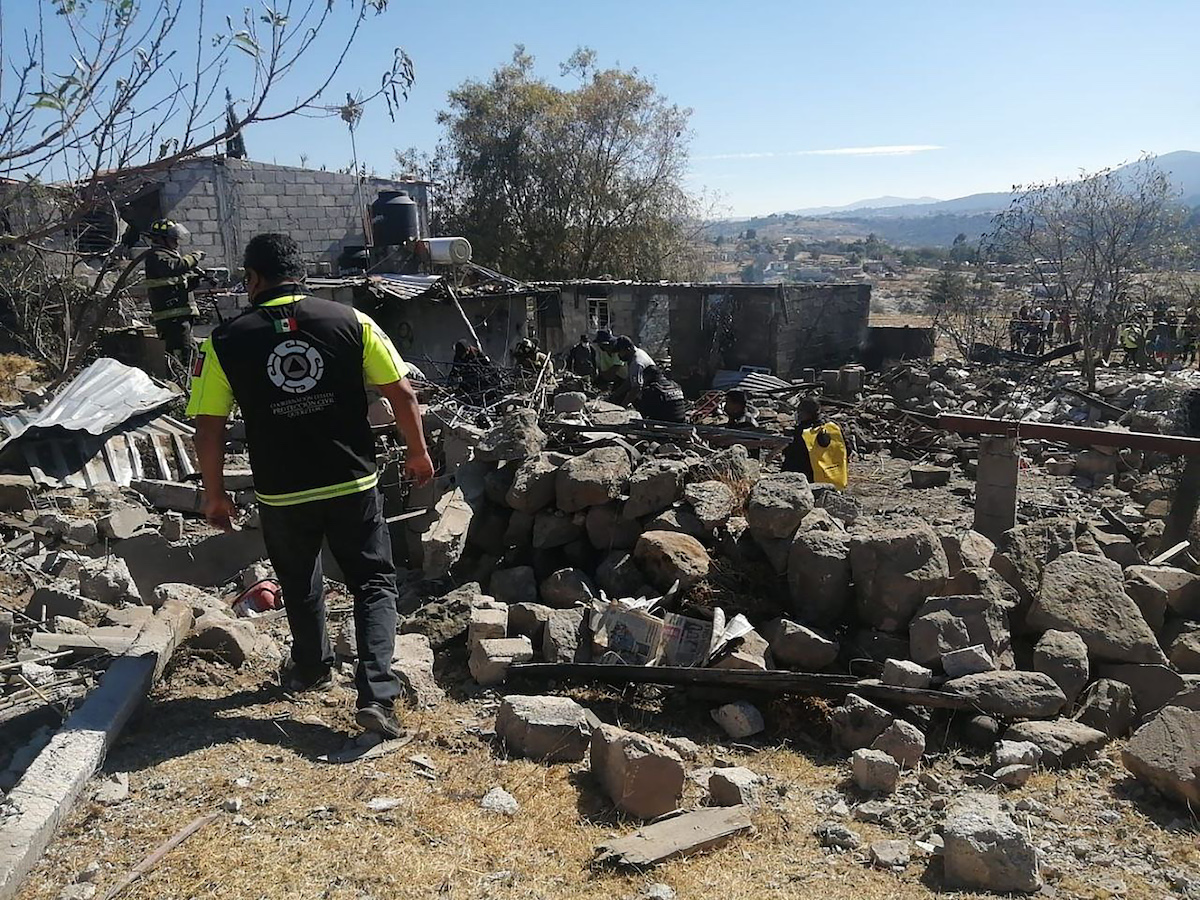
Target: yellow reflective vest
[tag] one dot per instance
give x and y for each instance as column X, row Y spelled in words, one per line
column 828, row 463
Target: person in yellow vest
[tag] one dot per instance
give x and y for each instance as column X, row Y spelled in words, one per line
column 611, row 370
column 817, row 449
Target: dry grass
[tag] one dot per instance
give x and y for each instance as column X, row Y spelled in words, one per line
column 11, row 366
column 305, row 830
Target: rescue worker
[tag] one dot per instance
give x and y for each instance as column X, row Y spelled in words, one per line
column 473, row 377
column 170, row 276
column 646, row 388
column 528, row 357
column 738, row 413
column 296, row 366
column 581, row 360
column 1130, row 337
column 817, row 450
column 610, row 370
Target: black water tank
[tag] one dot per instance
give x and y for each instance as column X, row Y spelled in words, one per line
column 394, row 219
column 354, row 258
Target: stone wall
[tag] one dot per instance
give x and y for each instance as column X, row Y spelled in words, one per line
column 819, row 326
column 225, row 202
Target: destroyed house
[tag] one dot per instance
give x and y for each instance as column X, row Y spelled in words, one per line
column 704, row 328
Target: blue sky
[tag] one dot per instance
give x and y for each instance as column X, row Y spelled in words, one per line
column 920, row 97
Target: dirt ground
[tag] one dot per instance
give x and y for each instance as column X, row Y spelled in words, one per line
column 303, row 828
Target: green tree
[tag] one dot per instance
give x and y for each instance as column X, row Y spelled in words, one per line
column 575, row 181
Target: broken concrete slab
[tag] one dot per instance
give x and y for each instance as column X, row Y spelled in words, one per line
column 682, row 835
column 642, row 777
column 113, row 639
column 905, row 673
column 485, row 623
column 412, row 661
column 108, row 581
column 443, row 544
column 124, row 523
column 171, row 495
column 550, row 729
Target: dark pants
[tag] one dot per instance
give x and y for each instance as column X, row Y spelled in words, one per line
column 176, row 333
column 359, row 540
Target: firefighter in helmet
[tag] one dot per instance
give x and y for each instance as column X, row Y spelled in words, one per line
column 170, row 276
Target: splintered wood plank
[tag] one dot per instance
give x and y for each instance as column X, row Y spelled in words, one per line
column 683, row 835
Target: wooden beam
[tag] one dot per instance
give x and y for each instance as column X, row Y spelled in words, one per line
column 682, row 835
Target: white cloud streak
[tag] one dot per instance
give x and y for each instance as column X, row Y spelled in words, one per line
column 885, row 150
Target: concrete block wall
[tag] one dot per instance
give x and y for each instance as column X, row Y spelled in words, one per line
column 225, row 202
column 820, row 325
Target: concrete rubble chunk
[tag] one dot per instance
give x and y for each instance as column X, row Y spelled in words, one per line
column 967, row 661
column 515, row 585
column 1063, row 742
column 985, row 850
column 197, row 599
column 563, row 636
column 82, row 532
column 555, row 529
column 443, row 544
column 654, row 486
column 642, row 777
column 516, row 436
column 1064, row 657
column 232, row 640
column 777, row 504
column 1010, row 694
column 818, row 574
column 113, row 789
column 874, row 770
column 125, row 523
column 795, row 647
column 905, row 673
column 412, row 661
column 734, row 786
column 1016, row 753
column 1108, row 706
column 903, row 742
column 665, row 557
column 732, row 466
column 490, row 659
column 60, row 599
column 485, row 623
column 683, row 835
column 857, row 723
column 946, row 624
column 592, row 478
column 1182, row 587
column 446, row 619
column 739, row 720
column 713, row 503
column 925, row 476
column 67, row 625
column 890, row 854
column 16, row 493
column 566, row 588
column 895, row 570
column 108, row 581
column 172, row 526
column 1086, row 594
column 532, row 489
column 550, row 729
column 1165, row 754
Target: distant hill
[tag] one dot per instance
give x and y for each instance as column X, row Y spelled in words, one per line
column 874, row 203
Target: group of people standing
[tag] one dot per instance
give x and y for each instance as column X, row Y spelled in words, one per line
column 1032, row 328
column 1159, row 336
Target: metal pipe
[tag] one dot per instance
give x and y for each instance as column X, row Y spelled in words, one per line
column 1170, row 444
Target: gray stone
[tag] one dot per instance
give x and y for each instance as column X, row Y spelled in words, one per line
column 1013, row 776
column 566, row 588
column 1149, row 596
column 905, row 673
column 712, row 502
column 732, row 466
column 841, row 506
column 655, row 485
column 517, row 436
column 230, row 639
column 113, row 789
column 837, row 836
column 125, row 523
column 1016, row 753
column 562, row 636
column 1063, row 742
column 58, row 599
column 554, row 529
column 618, row 575
column 895, row 570
column 6, row 627
column 739, row 720
column 795, row 647
column 1108, row 707
column 750, row 651
column 16, row 493
column 945, row 624
column 1165, row 753
column 857, row 723
column 874, row 770
column 532, row 487
column 734, row 786
column 490, row 659
column 641, row 776
column 1086, row 594
column 1063, row 656
column 818, row 574
column 172, row 527
column 1026, row 549
column 890, row 854
column 528, row 620
column 777, row 504
column 486, row 623
column 592, row 479
column 1010, row 694
column 500, row 801
column 82, row 532
column 967, row 550
column 903, row 742
column 985, row 850
column 550, row 729
column 1182, row 587
column 412, row 661
column 1153, row 686
column 681, row 519
column 665, row 557
column 67, row 625
column 1184, row 652
column 608, row 529
column 570, row 402
column 446, row 619
column 108, row 581
column 515, row 585
column 967, row 661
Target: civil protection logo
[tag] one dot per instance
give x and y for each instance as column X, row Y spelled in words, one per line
column 295, row 367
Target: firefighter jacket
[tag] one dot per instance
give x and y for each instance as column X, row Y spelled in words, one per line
column 297, row 368
column 168, row 288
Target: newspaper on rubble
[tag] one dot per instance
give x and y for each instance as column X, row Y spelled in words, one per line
column 624, row 632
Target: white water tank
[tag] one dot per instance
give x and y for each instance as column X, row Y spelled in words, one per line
column 448, row 251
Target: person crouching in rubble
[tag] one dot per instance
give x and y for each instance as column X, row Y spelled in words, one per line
column 610, row 370
column 473, row 377
column 297, row 366
column 528, row 357
column 646, row 388
column 817, row 449
column 740, row 416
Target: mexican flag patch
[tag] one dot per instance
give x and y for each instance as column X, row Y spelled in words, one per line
column 198, row 365
column 283, row 326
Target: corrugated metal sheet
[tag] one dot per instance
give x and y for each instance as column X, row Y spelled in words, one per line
column 752, row 382
column 405, row 287
column 158, row 449
column 103, row 396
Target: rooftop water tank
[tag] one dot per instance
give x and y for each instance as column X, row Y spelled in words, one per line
column 448, row 251
column 394, row 219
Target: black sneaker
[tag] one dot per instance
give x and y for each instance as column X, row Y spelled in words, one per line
column 295, row 683
column 380, row 720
